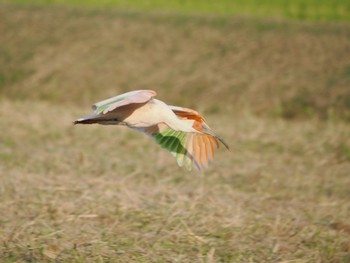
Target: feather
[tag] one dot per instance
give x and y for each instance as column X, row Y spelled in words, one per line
column 210, row 148
column 198, row 153
column 205, row 150
column 187, row 113
column 181, row 150
column 189, row 154
column 138, row 96
column 200, row 124
column 189, row 149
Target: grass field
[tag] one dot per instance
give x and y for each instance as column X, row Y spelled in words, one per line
column 277, row 91
column 295, row 9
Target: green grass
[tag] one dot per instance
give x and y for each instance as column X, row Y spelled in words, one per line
column 297, row 9
column 276, row 91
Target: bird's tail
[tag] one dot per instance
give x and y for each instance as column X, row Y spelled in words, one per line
column 91, row 119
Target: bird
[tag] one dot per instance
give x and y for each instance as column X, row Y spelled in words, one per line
column 181, row 131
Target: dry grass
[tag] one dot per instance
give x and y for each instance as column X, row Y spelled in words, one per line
column 107, row 194
column 80, row 194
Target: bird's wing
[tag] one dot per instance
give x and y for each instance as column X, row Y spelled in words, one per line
column 188, row 148
column 199, row 122
column 186, row 113
column 137, row 96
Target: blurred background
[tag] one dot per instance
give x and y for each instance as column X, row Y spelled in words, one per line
column 271, row 76
column 254, row 54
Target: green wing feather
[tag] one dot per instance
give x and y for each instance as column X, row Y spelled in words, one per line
column 174, row 142
column 189, row 149
column 181, row 150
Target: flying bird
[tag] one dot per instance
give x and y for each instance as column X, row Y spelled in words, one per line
column 181, row 131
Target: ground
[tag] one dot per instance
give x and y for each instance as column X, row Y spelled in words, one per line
column 276, row 90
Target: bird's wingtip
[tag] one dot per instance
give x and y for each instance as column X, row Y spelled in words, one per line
column 224, row 143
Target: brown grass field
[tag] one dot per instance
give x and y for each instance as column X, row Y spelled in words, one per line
column 277, row 91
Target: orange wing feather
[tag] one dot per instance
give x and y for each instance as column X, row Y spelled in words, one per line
column 197, row 151
column 204, row 144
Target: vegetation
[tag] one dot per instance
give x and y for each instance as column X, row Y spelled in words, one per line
column 296, row 9
column 277, row 91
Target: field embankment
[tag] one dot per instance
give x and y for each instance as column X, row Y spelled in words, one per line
column 283, row 69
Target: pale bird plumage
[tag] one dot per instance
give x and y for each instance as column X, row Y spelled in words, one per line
column 181, row 131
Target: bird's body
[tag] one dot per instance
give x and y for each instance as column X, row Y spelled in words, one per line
column 143, row 115
column 181, row 131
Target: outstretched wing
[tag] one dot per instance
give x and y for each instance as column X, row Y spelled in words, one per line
column 137, row 96
column 188, row 148
column 199, row 122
